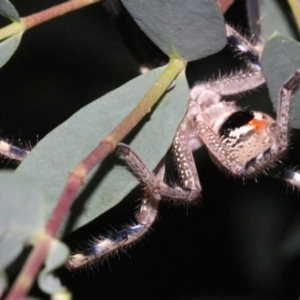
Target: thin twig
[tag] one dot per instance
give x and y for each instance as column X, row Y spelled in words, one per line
column 55, row 11
column 43, row 16
column 32, row 266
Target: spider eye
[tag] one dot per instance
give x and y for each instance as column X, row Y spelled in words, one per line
column 236, row 120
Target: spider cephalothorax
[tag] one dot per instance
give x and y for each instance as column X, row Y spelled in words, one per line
column 249, row 138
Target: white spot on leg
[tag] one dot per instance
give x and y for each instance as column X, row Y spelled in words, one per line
column 242, row 48
column 296, row 177
column 4, row 146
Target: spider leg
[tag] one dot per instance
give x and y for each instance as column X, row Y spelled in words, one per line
column 186, row 165
column 229, row 85
column 118, row 239
column 102, row 247
column 283, row 111
column 12, row 152
column 155, row 188
column 243, row 45
column 291, row 177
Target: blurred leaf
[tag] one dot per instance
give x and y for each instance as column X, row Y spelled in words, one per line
column 290, row 247
column 8, row 48
column 8, row 10
column 275, row 19
column 52, row 159
column 56, row 257
column 21, row 214
column 64, row 295
column 281, row 58
column 9, row 45
column 190, row 30
column 3, row 282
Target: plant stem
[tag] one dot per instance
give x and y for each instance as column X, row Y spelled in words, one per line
column 55, row 11
column 77, row 176
column 11, row 29
column 29, row 271
column 43, row 16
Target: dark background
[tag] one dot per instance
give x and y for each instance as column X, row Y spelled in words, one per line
column 239, row 242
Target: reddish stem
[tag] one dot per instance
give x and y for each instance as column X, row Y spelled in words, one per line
column 75, row 180
column 224, row 5
column 55, row 11
column 32, row 266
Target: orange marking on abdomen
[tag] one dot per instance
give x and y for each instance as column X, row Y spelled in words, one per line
column 258, row 124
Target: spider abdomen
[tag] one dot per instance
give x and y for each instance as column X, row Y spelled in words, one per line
column 250, row 136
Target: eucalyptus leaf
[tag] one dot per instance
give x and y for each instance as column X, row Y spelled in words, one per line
column 8, row 10
column 3, row 282
column 8, row 48
column 190, row 30
column 21, row 215
column 280, row 59
column 56, row 257
column 53, row 158
column 275, row 19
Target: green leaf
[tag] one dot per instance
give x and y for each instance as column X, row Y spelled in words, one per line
column 53, row 158
column 9, row 45
column 275, row 19
column 56, row 257
column 8, row 48
column 190, row 30
column 21, row 214
column 3, row 282
column 8, row 10
column 280, row 59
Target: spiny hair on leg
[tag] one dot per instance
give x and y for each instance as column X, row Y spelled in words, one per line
column 10, row 151
column 174, row 184
column 291, row 176
column 241, row 44
column 101, row 248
